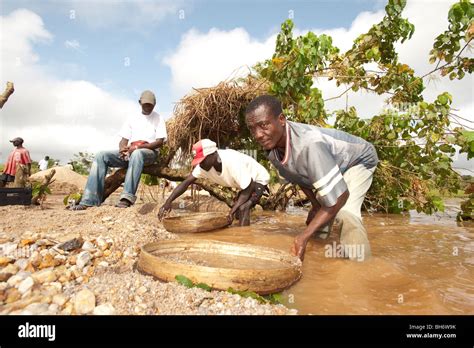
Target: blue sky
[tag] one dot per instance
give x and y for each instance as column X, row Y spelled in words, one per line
column 80, row 66
column 103, row 50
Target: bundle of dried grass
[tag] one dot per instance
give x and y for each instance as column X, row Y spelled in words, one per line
column 215, row 113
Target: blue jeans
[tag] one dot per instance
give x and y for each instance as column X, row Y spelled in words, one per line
column 94, row 191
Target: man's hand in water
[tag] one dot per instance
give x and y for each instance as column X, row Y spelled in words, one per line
column 164, row 210
column 299, row 246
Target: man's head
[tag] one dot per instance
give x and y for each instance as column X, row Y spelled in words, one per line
column 147, row 101
column 46, row 158
column 17, row 141
column 265, row 120
column 205, row 153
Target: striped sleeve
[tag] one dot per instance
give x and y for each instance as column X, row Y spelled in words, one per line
column 324, row 174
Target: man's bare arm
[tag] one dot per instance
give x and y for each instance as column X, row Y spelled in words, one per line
column 244, row 196
column 322, row 217
column 154, row 145
column 314, row 202
column 325, row 214
column 178, row 191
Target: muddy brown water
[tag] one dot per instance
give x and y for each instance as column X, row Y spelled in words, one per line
column 420, row 265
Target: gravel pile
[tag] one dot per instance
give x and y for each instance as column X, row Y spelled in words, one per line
column 54, row 261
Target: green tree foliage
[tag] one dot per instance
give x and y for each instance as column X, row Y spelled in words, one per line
column 414, row 138
column 291, row 71
column 447, row 47
column 39, row 191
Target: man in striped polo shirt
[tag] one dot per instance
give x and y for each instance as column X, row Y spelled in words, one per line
column 333, row 168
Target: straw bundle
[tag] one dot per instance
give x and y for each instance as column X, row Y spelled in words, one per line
column 215, row 113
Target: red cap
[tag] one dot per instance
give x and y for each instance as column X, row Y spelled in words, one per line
column 201, row 149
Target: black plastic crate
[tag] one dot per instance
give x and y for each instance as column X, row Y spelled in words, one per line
column 15, row 196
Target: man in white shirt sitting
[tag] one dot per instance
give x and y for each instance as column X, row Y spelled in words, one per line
column 141, row 135
column 227, row 168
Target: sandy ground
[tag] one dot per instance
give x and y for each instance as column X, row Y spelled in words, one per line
column 36, row 277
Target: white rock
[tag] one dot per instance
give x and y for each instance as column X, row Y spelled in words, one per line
column 74, row 269
column 88, row 246
column 83, row 259
column 21, row 263
column 26, row 285
column 14, row 280
column 26, row 294
column 35, row 257
column 61, row 258
column 3, row 286
column 46, row 275
column 137, row 310
column 59, row 299
column 44, row 252
column 84, row 302
column 67, row 310
column 102, row 243
column 10, row 268
column 53, row 308
column 54, row 287
column 7, row 249
column 103, row 264
column 141, row 290
column 37, row 308
column 18, row 278
column 104, row 309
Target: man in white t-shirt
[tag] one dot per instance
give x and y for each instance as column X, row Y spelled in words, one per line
column 142, row 134
column 43, row 164
column 227, row 168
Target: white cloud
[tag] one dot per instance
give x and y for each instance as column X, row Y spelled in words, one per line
column 55, row 117
column 20, row 30
column 205, row 59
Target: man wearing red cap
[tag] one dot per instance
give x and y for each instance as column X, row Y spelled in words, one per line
column 227, row 168
column 19, row 155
